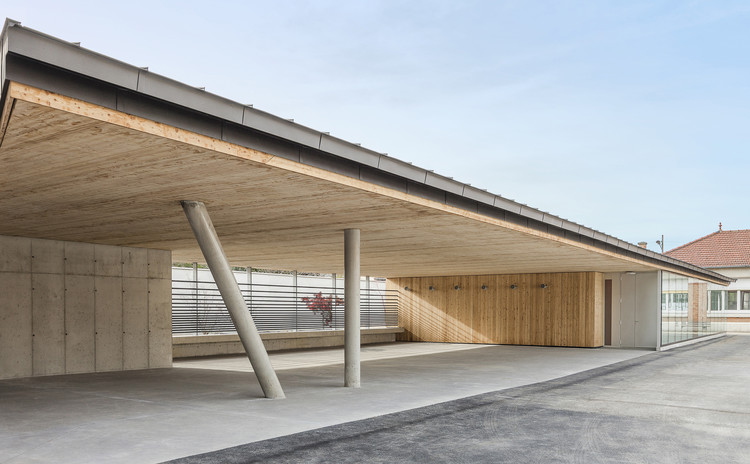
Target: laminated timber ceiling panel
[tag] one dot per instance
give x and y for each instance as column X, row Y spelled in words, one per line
column 70, row 170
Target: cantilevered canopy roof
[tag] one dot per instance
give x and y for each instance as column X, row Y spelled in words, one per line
column 85, row 156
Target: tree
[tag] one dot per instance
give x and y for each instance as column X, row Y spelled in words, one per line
column 323, row 305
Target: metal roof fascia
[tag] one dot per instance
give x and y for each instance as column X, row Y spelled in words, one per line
column 570, row 226
column 444, row 183
column 479, row 195
column 47, row 49
column 599, row 236
column 402, row 168
column 344, row 149
column 506, row 204
column 532, row 213
column 279, row 127
column 552, row 220
column 164, row 88
column 586, row 232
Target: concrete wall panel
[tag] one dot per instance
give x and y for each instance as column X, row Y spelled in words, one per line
column 628, row 305
column 47, row 256
column 647, row 309
column 134, row 262
column 79, row 307
column 135, row 322
column 107, row 260
column 15, row 254
column 160, row 322
column 80, row 323
column 79, row 258
column 159, row 264
column 15, row 321
column 48, row 315
column 108, row 323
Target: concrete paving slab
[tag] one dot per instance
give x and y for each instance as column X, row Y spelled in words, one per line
column 160, row 414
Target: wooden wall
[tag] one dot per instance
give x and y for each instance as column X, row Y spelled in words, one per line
column 569, row 312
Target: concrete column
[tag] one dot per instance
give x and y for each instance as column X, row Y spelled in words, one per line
column 351, row 308
column 230, row 292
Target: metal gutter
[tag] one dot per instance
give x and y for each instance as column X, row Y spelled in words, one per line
column 80, row 73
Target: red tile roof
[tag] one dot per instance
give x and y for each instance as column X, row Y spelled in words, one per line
column 725, row 248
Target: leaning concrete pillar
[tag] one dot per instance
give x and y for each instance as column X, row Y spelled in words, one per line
column 230, row 292
column 351, row 308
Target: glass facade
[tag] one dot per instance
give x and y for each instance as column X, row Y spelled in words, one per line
column 689, row 308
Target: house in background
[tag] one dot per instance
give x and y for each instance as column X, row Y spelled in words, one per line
column 726, row 252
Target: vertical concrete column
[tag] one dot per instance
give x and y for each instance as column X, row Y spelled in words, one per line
column 230, row 292
column 351, row 308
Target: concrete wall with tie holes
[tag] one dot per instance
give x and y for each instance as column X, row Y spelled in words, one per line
column 68, row 307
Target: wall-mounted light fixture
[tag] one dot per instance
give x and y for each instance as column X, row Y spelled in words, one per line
column 432, row 288
column 457, row 287
column 544, row 285
column 484, row 287
column 513, row 286
column 407, row 288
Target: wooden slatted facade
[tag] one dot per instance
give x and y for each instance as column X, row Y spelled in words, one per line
column 568, row 312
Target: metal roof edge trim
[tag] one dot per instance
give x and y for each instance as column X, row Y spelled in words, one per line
column 42, row 47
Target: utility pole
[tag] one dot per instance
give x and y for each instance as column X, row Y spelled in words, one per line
column 661, row 243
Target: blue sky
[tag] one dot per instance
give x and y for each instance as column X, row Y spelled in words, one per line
column 629, row 117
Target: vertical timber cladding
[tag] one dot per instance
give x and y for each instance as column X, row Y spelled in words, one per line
column 568, row 312
column 68, row 307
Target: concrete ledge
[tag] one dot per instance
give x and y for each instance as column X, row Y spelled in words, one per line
column 691, row 341
column 190, row 346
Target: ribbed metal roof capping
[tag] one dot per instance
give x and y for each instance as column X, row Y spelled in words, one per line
column 38, row 59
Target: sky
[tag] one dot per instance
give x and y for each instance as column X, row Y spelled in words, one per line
column 632, row 118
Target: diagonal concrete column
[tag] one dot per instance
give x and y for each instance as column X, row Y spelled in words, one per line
column 217, row 262
column 351, row 308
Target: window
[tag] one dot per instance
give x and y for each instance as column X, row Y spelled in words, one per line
column 717, row 302
column 723, row 300
column 732, row 301
column 674, row 301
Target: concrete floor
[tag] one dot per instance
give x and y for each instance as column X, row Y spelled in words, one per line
column 687, row 405
column 161, row 414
